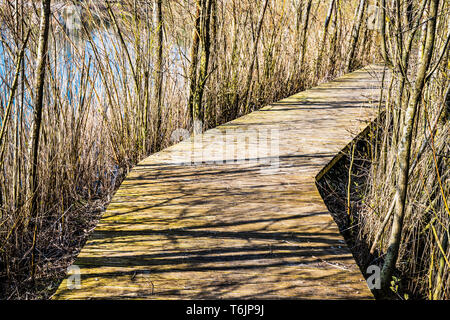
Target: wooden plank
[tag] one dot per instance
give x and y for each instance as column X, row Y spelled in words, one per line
column 192, row 222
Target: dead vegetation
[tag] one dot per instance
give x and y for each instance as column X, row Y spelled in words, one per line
column 401, row 220
column 120, row 78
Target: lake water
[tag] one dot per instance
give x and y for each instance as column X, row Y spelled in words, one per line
column 72, row 54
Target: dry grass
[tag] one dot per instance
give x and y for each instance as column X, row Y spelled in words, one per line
column 96, row 124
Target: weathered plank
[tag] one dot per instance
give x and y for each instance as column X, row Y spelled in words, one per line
column 248, row 229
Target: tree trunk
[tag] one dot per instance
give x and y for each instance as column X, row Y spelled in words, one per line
column 305, row 33
column 402, row 69
column 324, row 37
column 158, row 24
column 404, row 151
column 37, row 120
column 205, row 33
column 211, row 114
column 334, row 39
column 253, row 58
column 384, row 49
column 12, row 94
column 194, row 62
column 355, row 34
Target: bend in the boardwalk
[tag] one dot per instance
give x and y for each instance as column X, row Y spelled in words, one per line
column 190, row 222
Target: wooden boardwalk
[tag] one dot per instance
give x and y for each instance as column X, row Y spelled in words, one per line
column 196, row 221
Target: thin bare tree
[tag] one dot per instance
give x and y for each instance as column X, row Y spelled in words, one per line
column 194, row 60
column 359, row 15
column 324, row 36
column 404, row 149
column 304, row 34
column 159, row 76
column 246, row 96
column 38, row 106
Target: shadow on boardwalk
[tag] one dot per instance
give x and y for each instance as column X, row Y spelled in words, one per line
column 209, row 225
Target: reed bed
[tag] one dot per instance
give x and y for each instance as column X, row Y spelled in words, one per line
column 416, row 110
